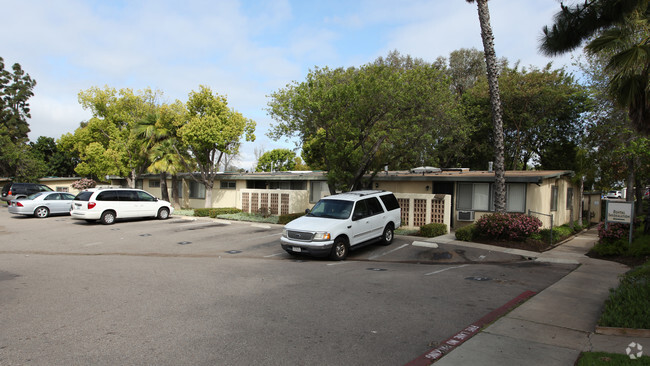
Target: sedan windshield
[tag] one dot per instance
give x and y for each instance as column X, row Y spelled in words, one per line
column 332, row 209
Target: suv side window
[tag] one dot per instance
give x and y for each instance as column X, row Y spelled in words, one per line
column 374, row 207
column 390, row 202
column 360, row 210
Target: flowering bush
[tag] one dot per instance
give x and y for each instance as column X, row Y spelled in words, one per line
column 83, row 183
column 613, row 232
column 507, row 226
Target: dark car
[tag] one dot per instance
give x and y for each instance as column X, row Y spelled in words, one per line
column 12, row 191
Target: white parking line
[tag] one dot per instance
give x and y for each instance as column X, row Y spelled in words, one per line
column 94, row 243
column 340, row 262
column 445, row 269
column 273, row 255
column 388, row 252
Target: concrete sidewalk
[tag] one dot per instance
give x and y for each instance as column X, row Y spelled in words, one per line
column 554, row 326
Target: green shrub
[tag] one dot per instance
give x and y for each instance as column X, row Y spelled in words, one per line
column 466, row 233
column 433, row 229
column 507, row 226
column 285, row 219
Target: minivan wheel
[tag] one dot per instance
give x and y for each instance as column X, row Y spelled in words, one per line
column 340, row 249
column 41, row 212
column 163, row 213
column 108, row 218
column 387, row 238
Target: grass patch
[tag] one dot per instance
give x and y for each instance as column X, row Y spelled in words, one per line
column 627, row 305
column 244, row 216
column 184, row 212
column 609, row 359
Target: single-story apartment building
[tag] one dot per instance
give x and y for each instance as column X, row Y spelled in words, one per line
column 455, row 197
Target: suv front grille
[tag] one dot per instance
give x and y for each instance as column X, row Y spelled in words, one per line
column 300, row 235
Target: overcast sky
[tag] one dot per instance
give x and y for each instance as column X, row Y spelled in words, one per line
column 242, row 49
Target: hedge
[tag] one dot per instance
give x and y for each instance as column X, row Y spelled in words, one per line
column 433, row 229
column 214, row 212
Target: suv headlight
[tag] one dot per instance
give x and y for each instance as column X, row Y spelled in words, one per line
column 285, row 233
column 322, row 235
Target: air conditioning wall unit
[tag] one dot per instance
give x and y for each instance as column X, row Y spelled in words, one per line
column 465, row 215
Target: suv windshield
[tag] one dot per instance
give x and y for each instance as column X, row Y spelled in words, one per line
column 332, row 209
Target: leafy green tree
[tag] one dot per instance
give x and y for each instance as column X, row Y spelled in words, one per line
column 542, row 119
column 16, row 87
column 209, row 130
column 59, row 162
column 617, row 29
column 108, row 143
column 277, row 160
column 357, row 120
column 495, row 102
column 159, row 130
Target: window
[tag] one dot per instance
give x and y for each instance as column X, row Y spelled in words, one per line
column 317, row 190
column 228, row 184
column 139, row 184
column 62, row 189
column 553, row 198
column 569, row 198
column 374, row 207
column 516, row 197
column 473, row 196
column 390, row 201
column 480, row 197
column 154, row 183
column 197, row 190
column 144, row 196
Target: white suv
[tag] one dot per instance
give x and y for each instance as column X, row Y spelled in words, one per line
column 109, row 204
column 342, row 222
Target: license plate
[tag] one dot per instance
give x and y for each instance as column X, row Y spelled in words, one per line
column 297, row 249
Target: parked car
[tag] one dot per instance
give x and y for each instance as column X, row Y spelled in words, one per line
column 341, row 222
column 110, row 204
column 614, row 194
column 42, row 204
column 12, row 190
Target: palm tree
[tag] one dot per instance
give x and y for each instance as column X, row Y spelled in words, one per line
column 619, row 30
column 495, row 100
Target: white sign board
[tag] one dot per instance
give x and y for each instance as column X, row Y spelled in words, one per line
column 619, row 212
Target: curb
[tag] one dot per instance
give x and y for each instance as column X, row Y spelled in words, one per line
column 629, row 332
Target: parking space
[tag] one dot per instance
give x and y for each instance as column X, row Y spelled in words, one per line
column 183, row 291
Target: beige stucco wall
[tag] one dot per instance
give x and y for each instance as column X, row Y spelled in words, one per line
column 405, row 187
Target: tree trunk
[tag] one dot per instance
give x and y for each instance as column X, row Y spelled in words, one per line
column 495, row 100
column 175, row 198
column 163, row 186
column 208, row 194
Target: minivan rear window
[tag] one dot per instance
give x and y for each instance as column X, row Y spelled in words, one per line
column 83, row 196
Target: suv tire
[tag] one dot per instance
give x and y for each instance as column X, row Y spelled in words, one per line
column 387, row 238
column 108, row 218
column 340, row 249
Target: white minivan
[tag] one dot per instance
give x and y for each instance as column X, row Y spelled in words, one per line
column 338, row 223
column 109, row 204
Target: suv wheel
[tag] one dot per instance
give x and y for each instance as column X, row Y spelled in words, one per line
column 340, row 249
column 41, row 212
column 387, row 238
column 163, row 214
column 108, row 218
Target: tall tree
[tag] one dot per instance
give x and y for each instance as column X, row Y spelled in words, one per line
column 108, row 142
column 59, row 161
column 276, row 160
column 16, row 87
column 209, row 130
column 620, row 30
column 357, row 120
column 493, row 82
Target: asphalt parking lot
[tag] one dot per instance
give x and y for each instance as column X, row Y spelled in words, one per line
column 206, row 292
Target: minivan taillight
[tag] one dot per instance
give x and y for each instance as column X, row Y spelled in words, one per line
column 91, row 205
column 19, row 204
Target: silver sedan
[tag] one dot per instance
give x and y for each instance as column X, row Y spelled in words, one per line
column 42, row 204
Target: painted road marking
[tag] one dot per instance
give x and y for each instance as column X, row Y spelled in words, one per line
column 273, row 255
column 340, row 262
column 445, row 269
column 93, row 243
column 388, row 252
